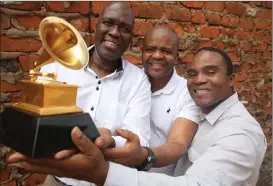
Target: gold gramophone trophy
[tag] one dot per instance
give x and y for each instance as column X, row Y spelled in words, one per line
column 41, row 123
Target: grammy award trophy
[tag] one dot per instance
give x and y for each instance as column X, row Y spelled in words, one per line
column 40, row 124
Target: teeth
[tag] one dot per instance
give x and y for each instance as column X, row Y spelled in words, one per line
column 203, row 91
column 110, row 43
column 156, row 65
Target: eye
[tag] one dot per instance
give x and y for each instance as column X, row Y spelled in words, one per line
column 167, row 52
column 149, row 50
column 211, row 72
column 107, row 23
column 191, row 74
column 126, row 30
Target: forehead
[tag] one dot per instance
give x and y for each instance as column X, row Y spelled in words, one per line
column 207, row 58
column 160, row 37
column 119, row 14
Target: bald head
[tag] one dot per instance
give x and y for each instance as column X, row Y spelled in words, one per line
column 163, row 30
column 117, row 6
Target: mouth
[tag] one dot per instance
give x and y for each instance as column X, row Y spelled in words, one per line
column 201, row 92
column 112, row 45
column 156, row 65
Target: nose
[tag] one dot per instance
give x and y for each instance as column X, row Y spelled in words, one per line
column 157, row 55
column 114, row 31
column 200, row 79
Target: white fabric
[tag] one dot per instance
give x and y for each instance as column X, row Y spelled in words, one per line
column 228, row 149
column 123, row 100
column 169, row 103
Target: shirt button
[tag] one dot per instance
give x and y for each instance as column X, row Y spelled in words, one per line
column 99, row 82
column 92, row 108
column 97, row 88
column 97, row 77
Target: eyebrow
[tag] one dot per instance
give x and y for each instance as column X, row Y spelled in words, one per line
column 123, row 23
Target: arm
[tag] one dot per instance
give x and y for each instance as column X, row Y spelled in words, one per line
column 177, row 144
column 228, row 162
column 137, row 117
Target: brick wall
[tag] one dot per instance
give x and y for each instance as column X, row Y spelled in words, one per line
column 243, row 29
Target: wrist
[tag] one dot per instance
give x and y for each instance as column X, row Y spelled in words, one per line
column 144, row 155
column 101, row 175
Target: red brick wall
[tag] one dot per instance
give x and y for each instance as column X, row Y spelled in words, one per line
column 243, row 29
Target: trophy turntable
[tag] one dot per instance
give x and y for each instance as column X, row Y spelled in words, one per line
column 40, row 124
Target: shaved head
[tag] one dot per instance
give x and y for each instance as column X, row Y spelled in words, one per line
column 163, row 29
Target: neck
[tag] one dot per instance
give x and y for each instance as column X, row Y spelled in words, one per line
column 101, row 66
column 159, row 83
column 208, row 109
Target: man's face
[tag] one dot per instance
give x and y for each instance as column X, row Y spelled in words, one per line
column 207, row 80
column 159, row 53
column 114, row 32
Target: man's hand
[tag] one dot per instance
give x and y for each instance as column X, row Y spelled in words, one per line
column 89, row 164
column 105, row 139
column 131, row 154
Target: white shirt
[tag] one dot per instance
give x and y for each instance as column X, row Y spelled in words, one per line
column 119, row 100
column 227, row 150
column 169, row 103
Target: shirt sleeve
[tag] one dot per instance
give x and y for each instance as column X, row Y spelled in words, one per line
column 189, row 109
column 137, row 117
column 225, row 163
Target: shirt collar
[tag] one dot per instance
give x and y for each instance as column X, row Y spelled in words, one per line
column 121, row 62
column 170, row 85
column 215, row 114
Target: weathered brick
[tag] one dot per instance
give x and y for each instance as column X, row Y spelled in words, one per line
column 265, row 14
column 214, row 6
column 193, row 4
column 261, row 46
column 199, row 18
column 93, row 23
column 97, row 6
column 180, row 14
column 34, row 179
column 205, row 43
column 87, row 40
column 55, row 6
column 214, row 19
column 6, row 87
column 20, row 44
column 262, row 24
column 242, row 35
column 27, row 5
column 187, row 58
column 237, row 85
column 269, row 65
column 5, row 21
column 234, row 57
column 81, row 24
column 79, row 7
column 27, row 62
column 220, row 45
column 141, row 27
column 247, row 47
column 154, row 11
column 209, row 32
column 267, row 55
column 132, row 59
column 235, row 8
column 177, row 28
column 188, row 27
column 242, row 76
column 246, row 24
column 257, row 3
column 139, row 9
column 258, row 36
column 230, row 21
column 246, row 66
column 29, row 21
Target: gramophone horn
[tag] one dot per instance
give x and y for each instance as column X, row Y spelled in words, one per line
column 62, row 43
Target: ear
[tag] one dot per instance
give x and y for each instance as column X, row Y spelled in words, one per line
column 231, row 80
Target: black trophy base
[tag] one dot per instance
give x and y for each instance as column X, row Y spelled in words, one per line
column 42, row 136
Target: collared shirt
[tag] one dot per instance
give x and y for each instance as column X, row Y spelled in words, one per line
column 119, row 100
column 227, row 150
column 169, row 103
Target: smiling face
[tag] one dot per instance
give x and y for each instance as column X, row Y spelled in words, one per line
column 160, row 52
column 114, row 31
column 207, row 80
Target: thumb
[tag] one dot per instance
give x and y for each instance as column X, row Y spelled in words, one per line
column 83, row 143
column 130, row 136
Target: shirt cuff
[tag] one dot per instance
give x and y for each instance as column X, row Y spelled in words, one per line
column 119, row 175
column 120, row 141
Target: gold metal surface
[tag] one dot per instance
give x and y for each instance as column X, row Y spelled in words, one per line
column 64, row 44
